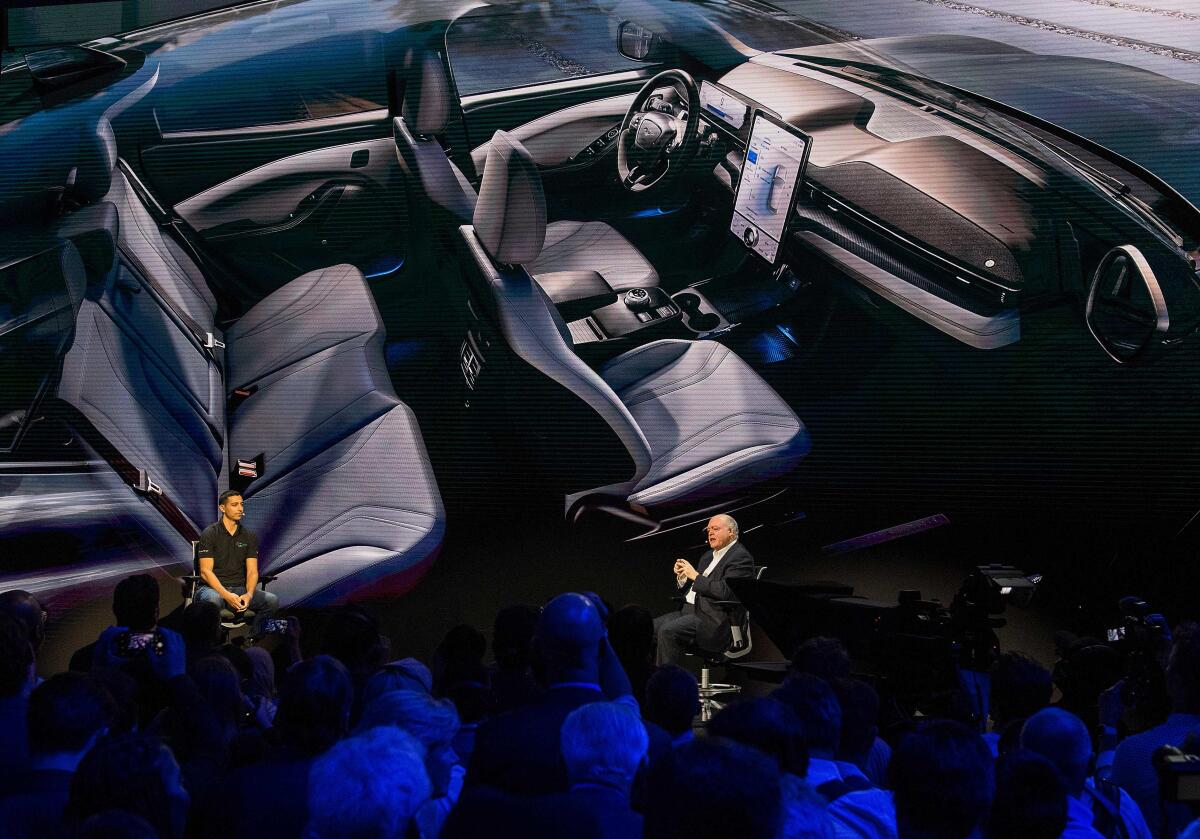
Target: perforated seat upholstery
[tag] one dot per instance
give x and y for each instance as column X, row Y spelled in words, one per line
column 570, row 245
column 697, row 421
column 307, row 315
column 346, row 498
column 315, row 311
column 705, row 413
column 594, row 246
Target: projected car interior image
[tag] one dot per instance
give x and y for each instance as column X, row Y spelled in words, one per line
column 405, row 274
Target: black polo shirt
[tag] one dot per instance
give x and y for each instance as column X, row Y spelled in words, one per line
column 229, row 552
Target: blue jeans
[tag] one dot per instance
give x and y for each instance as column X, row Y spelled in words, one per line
column 263, row 604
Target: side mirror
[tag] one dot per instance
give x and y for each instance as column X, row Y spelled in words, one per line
column 1126, row 311
column 637, row 42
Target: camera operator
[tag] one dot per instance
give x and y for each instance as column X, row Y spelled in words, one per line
column 1086, row 669
column 1133, row 767
column 1020, row 688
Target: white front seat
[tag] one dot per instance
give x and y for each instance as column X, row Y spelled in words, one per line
column 438, row 189
column 696, row 420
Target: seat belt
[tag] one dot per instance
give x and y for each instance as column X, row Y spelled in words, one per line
column 205, row 339
column 245, row 472
column 139, row 480
column 167, row 219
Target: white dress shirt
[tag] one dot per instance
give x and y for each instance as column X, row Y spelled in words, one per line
column 718, row 555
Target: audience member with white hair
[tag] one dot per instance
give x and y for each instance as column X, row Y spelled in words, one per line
column 369, row 786
column 434, row 723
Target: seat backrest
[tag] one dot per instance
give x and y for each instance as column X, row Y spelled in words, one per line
column 509, row 229
column 150, row 251
column 440, row 198
column 739, row 629
column 134, row 372
column 42, row 283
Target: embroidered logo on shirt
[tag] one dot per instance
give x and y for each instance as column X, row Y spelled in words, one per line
column 242, row 544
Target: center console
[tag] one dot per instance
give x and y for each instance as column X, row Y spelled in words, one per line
column 637, row 313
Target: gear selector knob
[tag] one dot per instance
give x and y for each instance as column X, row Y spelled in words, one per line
column 637, row 299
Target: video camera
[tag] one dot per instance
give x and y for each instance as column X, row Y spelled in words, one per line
column 917, row 648
column 1178, row 774
column 1142, row 637
column 1139, row 627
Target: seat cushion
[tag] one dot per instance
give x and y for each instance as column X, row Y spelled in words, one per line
column 311, row 313
column 300, row 411
column 363, row 511
column 713, row 425
column 594, row 246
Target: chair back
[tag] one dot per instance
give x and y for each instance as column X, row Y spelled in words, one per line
column 508, row 230
column 741, row 642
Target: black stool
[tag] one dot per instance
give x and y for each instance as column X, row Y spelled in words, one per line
column 739, row 647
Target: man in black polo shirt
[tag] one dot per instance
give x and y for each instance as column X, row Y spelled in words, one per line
column 229, row 563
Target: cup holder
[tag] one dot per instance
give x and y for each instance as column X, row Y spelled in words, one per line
column 694, row 316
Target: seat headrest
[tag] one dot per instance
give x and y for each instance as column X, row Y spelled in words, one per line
column 42, row 273
column 37, row 158
column 96, row 161
column 510, row 215
column 426, row 101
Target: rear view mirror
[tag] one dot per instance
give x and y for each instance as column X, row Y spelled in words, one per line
column 1126, row 311
column 637, row 42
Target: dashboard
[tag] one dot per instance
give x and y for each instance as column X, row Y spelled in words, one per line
column 723, row 105
column 939, row 220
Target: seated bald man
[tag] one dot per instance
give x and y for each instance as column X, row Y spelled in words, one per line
column 518, row 752
column 698, row 622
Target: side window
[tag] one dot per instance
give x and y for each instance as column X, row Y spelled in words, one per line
column 274, row 83
column 500, row 47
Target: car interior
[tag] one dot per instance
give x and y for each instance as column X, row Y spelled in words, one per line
column 604, row 269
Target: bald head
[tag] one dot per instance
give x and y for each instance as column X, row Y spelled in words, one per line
column 1062, row 738
column 569, row 633
column 24, row 607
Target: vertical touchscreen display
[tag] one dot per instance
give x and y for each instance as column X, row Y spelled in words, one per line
column 771, row 173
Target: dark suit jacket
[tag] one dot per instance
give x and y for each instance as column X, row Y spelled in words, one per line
column 587, row 813
column 35, row 810
column 518, row 752
column 714, row 633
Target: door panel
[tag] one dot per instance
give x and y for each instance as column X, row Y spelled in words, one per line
column 305, row 211
column 181, row 164
column 560, row 139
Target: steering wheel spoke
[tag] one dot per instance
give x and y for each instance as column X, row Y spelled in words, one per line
column 655, row 141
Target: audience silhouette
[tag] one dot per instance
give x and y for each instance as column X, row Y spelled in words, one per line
column 571, row 731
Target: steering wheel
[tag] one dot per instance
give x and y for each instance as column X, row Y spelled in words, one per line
column 655, row 145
